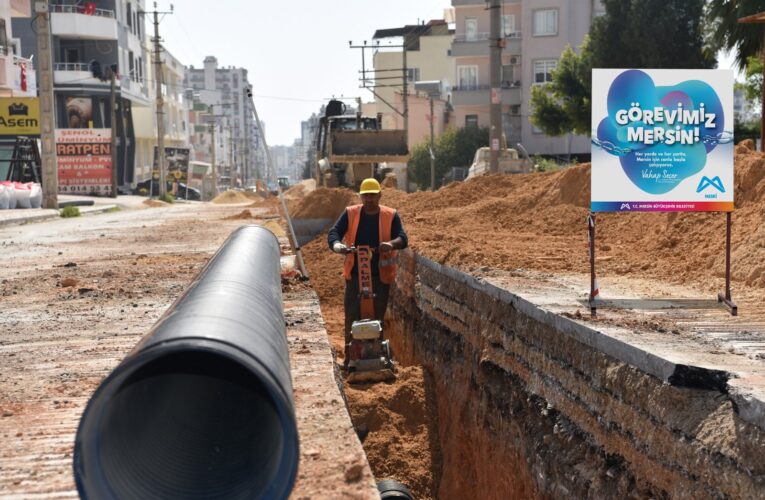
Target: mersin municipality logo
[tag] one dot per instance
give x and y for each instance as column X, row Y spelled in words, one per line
column 716, row 182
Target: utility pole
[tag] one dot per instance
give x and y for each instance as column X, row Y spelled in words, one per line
column 47, row 109
column 113, row 107
column 160, row 102
column 406, row 95
column 495, row 69
column 432, row 149
column 214, row 168
column 160, row 108
column 232, row 157
column 433, row 88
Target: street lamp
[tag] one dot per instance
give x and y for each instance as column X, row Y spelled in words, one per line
column 433, row 89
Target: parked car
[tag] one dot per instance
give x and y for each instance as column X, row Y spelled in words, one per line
column 151, row 187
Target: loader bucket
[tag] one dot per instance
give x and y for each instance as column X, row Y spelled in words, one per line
column 368, row 146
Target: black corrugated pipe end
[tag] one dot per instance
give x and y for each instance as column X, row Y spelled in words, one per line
column 202, row 407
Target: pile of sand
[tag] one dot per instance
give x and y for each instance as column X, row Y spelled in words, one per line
column 401, row 420
column 295, row 192
column 324, row 203
column 155, row 203
column 275, row 228
column 231, row 197
column 538, row 221
column 243, row 215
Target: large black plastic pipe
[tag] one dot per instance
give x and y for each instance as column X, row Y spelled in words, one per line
column 202, row 407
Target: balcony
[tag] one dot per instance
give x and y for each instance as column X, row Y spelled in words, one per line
column 478, row 44
column 480, row 95
column 75, row 74
column 83, row 22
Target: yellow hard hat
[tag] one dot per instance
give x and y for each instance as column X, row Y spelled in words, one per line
column 369, row 186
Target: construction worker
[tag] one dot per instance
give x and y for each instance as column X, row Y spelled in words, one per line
column 379, row 227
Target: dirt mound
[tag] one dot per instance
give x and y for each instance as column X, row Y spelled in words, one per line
column 390, row 181
column 155, row 203
column 275, row 228
column 231, row 197
column 243, row 215
column 537, row 222
column 399, row 418
column 324, row 203
column 295, row 192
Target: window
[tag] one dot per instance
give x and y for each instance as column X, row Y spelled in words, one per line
column 467, row 77
column 71, row 55
column 543, row 70
column 508, row 25
column 130, row 16
column 471, row 29
column 3, row 38
column 508, row 76
column 413, row 74
column 545, row 22
column 471, row 120
column 131, row 65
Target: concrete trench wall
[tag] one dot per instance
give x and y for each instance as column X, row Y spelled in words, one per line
column 527, row 409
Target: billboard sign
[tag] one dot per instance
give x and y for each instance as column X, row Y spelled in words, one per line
column 20, row 116
column 662, row 140
column 84, row 160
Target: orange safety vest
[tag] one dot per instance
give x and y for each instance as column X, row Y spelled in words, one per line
column 387, row 260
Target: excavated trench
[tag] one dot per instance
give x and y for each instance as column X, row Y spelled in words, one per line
column 499, row 399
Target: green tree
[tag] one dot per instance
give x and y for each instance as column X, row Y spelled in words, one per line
column 651, row 34
column 454, row 148
column 563, row 105
column 744, row 40
column 631, row 34
column 753, row 82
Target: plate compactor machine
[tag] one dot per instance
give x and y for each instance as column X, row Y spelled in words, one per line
column 369, row 355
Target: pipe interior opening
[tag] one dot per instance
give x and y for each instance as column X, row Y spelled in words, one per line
column 191, row 425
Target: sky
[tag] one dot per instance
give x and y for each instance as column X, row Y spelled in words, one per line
column 296, row 52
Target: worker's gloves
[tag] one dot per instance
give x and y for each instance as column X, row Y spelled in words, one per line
column 339, row 247
column 386, row 246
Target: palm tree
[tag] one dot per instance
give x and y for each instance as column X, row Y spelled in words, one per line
column 744, row 40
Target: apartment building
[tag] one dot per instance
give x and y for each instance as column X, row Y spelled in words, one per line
column 535, row 34
column 285, row 160
column 427, row 59
column 89, row 39
column 306, row 147
column 17, row 75
column 175, row 113
column 204, row 122
column 230, row 86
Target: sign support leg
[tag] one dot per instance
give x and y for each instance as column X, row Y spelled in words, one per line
column 593, row 281
column 726, row 297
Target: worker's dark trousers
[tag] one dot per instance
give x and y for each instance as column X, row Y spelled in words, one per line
column 353, row 304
